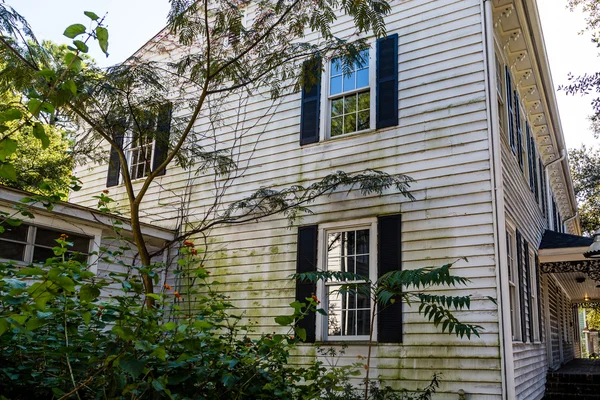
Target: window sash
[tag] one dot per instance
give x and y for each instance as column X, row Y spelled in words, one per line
column 351, row 313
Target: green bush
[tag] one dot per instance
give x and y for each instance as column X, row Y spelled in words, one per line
column 59, row 338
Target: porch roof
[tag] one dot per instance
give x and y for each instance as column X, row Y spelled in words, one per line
column 561, row 255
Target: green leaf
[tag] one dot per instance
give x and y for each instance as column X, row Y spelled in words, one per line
column 93, row 16
column 301, row 333
column 34, row 323
column 40, row 133
column 70, row 86
column 42, row 300
column 160, row 353
column 34, row 106
column 284, row 320
column 88, row 293
column 4, row 326
column 48, row 74
column 73, row 61
column 10, row 115
column 74, row 30
column 169, row 326
column 7, row 147
column 87, row 317
column 8, row 171
column 132, row 366
column 202, row 325
column 157, row 385
column 123, row 332
column 34, row 271
column 102, row 35
column 81, row 46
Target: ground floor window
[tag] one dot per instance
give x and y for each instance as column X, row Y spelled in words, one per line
column 33, row 244
column 349, row 249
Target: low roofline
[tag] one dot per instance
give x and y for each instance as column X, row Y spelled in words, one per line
column 85, row 214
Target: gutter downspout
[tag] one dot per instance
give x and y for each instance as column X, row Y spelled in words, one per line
column 548, row 193
column 498, row 208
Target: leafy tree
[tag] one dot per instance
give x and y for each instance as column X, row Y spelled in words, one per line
column 593, row 318
column 220, row 59
column 585, row 170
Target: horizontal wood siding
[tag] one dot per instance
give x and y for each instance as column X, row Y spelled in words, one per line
column 441, row 142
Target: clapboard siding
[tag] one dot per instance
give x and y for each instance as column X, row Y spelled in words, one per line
column 441, row 142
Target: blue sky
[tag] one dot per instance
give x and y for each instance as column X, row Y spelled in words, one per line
column 133, row 22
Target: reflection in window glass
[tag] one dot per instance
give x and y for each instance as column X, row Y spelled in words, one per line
column 350, row 105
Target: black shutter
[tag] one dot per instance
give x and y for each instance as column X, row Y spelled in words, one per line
column 161, row 144
column 536, row 190
column 529, row 156
column 521, row 278
column 519, row 131
column 387, row 82
column 311, row 102
column 529, row 288
column 389, row 250
column 539, row 293
column 511, row 109
column 114, row 162
column 543, row 189
column 306, row 261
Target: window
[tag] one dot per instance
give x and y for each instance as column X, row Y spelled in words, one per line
column 513, row 281
column 366, row 247
column 350, row 96
column 354, row 98
column 28, row 243
column 349, row 314
column 511, row 111
column 533, row 304
column 500, row 95
column 139, row 155
column 145, row 146
column 519, row 127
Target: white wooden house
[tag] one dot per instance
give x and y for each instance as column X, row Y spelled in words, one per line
column 459, row 96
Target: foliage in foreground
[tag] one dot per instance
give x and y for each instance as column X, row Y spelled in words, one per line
column 59, row 338
column 585, row 170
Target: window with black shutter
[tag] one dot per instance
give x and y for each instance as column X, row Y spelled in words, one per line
column 368, row 249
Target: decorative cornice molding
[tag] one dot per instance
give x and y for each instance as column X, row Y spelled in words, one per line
column 589, row 267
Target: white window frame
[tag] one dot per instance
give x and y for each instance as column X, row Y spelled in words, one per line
column 534, row 311
column 513, row 282
column 30, row 243
column 500, row 93
column 130, row 150
column 324, row 229
column 326, row 99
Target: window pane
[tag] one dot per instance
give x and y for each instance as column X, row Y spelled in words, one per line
column 41, row 254
column 47, row 237
column 362, row 78
column 349, row 123
column 362, row 241
column 362, row 266
column 12, row 250
column 350, row 104
column 363, row 120
column 364, row 101
column 337, row 107
column 336, row 67
column 363, row 322
column 349, row 242
column 337, row 126
column 335, row 86
column 18, row 233
column 349, row 81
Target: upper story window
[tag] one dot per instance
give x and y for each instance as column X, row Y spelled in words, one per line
column 350, row 96
column 145, row 145
column 32, row 244
column 500, row 95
